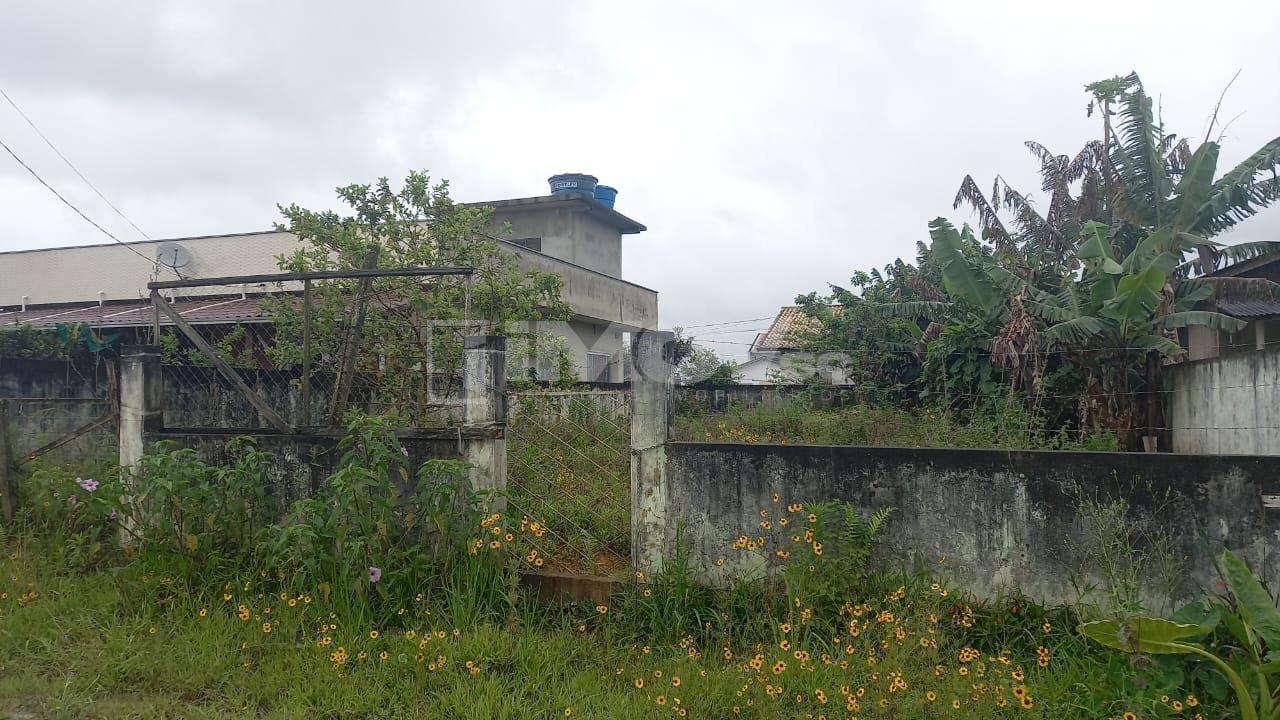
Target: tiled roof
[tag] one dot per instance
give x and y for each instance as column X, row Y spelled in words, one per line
column 787, row 330
column 204, row 311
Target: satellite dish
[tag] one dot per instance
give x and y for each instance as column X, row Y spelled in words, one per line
column 171, row 254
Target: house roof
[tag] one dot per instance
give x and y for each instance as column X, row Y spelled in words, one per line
column 577, row 201
column 1248, row 309
column 132, row 313
column 1242, row 297
column 787, row 330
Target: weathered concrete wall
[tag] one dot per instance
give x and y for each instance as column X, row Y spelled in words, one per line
column 566, row 233
column 990, row 519
column 1227, row 404
column 34, row 423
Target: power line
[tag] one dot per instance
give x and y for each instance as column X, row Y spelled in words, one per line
column 74, row 169
column 727, row 322
column 77, row 210
column 729, row 332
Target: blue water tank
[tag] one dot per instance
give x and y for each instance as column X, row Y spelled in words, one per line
column 606, row 194
column 566, row 183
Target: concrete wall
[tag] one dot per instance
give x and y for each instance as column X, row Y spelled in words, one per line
column 593, row 295
column 1228, row 404
column 989, row 519
column 566, row 233
column 37, row 390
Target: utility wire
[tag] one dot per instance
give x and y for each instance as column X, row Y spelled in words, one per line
column 74, row 169
column 77, row 210
column 727, row 322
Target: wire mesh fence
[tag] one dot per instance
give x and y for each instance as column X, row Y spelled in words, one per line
column 303, row 349
column 569, row 469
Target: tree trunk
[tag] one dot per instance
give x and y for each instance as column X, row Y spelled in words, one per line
column 1155, row 421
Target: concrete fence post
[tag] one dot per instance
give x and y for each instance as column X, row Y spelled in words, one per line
column 651, row 406
column 8, row 483
column 484, row 387
column 141, row 411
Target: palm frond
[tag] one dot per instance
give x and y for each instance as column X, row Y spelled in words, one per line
column 1076, row 331
column 1049, row 312
column 913, row 309
column 1189, row 292
column 1229, row 255
column 1165, row 346
column 1054, row 182
column 993, row 230
column 1145, row 183
column 1194, row 188
column 1039, row 232
column 1207, row 318
column 1089, row 159
column 961, row 280
column 1238, row 195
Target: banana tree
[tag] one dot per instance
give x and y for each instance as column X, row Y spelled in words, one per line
column 982, row 305
column 1157, row 184
column 1253, row 622
column 1119, row 317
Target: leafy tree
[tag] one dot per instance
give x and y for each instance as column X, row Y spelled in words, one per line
column 702, row 366
column 25, row 341
column 413, row 326
column 1088, row 295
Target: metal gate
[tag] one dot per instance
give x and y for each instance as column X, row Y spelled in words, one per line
column 569, row 470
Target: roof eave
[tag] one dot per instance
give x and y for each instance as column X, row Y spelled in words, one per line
column 578, row 200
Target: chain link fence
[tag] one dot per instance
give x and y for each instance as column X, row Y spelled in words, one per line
column 303, row 349
column 569, row 469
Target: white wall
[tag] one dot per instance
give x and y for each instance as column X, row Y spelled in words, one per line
column 1227, row 405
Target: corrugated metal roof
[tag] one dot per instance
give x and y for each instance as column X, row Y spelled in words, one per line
column 132, row 314
column 1248, row 308
column 787, row 330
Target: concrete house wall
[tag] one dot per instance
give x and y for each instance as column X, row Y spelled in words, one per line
column 581, row 241
column 564, row 233
column 1227, row 405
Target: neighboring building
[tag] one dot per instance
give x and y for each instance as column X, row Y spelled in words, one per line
column 775, row 354
column 1252, row 302
column 570, row 234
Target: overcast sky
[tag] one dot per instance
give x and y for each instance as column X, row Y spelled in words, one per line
column 770, row 147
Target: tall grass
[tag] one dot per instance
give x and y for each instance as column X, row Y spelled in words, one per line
column 798, row 422
column 569, row 465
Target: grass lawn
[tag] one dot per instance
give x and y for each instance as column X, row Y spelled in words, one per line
column 113, row 643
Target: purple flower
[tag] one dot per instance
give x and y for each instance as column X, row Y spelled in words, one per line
column 375, row 573
column 112, row 516
column 72, row 500
column 89, row 484
column 404, row 450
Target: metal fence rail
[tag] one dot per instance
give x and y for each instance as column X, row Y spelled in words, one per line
column 569, row 469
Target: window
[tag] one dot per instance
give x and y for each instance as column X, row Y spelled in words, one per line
column 529, row 243
column 598, row 367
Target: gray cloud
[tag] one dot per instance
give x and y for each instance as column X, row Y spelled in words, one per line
column 771, row 148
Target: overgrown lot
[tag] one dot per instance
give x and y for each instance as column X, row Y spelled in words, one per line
column 1000, row 425
column 367, row 602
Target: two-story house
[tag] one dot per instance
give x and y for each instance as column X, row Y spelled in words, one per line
column 571, row 234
